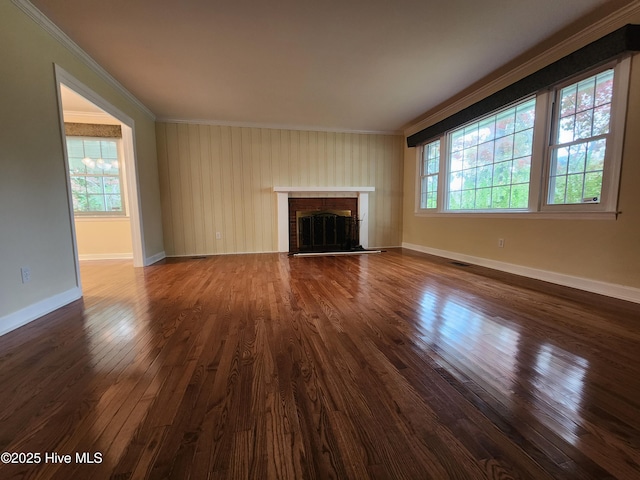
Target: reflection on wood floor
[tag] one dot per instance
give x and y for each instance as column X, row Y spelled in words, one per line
column 396, row 365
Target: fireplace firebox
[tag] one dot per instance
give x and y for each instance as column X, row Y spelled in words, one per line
column 323, row 224
column 328, row 230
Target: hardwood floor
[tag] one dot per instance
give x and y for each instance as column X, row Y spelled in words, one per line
column 396, row 365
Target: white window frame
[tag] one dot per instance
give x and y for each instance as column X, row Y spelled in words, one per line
column 541, row 156
column 122, row 178
column 615, row 140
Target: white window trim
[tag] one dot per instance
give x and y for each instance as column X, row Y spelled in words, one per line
column 540, row 161
column 124, row 214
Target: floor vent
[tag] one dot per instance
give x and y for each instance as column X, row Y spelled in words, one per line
column 460, row 264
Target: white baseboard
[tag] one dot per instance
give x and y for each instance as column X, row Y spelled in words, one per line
column 28, row 314
column 105, row 256
column 154, row 258
column 621, row 292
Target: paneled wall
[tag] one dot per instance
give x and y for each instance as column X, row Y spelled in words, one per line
column 219, row 179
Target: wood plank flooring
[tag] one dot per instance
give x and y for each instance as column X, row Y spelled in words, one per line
column 389, row 366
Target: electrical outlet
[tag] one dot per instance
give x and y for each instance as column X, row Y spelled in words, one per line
column 218, row 235
column 501, row 242
column 26, row 274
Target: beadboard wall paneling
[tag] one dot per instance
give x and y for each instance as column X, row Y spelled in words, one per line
column 220, row 179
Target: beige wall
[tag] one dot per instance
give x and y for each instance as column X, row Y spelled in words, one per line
column 34, row 213
column 220, row 179
column 601, row 250
column 103, row 238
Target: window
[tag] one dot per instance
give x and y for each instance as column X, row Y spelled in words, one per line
column 582, row 127
column 429, row 168
column 96, row 176
column 490, row 160
column 558, row 151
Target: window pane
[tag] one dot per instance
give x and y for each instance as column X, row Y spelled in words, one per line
column 109, row 149
column 485, row 176
column 604, row 88
column 595, row 155
column 485, row 153
column 520, row 196
column 577, row 157
column 505, row 122
column 111, row 185
column 468, row 199
column 565, row 130
column 80, row 203
column 525, row 115
column 584, row 122
column 504, row 148
column 558, row 189
column 96, row 203
column 487, row 129
column 500, row 197
column 601, row 120
column 523, row 143
column 592, row 186
column 586, row 94
column 521, row 170
column 574, row 188
column 113, row 203
column 502, row 173
column 483, row 198
column 568, row 101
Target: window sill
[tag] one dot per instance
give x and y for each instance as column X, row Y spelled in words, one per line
column 100, row 218
column 523, row 214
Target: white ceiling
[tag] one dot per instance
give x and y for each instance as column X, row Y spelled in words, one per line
column 358, row 65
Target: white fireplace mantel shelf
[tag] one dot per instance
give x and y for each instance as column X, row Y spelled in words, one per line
column 324, row 189
column 283, row 210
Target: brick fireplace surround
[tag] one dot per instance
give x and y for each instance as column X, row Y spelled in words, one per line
column 283, row 194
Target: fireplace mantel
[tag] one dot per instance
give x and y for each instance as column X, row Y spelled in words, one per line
column 283, row 194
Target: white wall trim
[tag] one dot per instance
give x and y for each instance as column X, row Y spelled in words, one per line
column 154, row 258
column 130, row 160
column 621, row 292
column 276, row 126
column 595, row 31
column 36, row 310
column 105, row 256
column 47, row 25
column 282, row 206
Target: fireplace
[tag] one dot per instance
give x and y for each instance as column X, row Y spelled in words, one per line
column 330, row 230
column 287, row 242
column 323, row 224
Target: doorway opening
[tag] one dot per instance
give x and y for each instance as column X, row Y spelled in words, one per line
column 102, row 184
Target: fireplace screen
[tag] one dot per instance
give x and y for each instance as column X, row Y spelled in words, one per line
column 325, row 230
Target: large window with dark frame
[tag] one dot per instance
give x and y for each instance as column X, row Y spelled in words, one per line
column 556, row 151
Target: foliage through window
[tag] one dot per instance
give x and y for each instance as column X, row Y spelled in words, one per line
column 490, row 160
column 557, row 151
column 96, row 177
column 582, row 127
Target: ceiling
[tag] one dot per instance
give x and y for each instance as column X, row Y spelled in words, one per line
column 357, row 65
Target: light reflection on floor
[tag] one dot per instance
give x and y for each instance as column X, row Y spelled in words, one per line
column 487, row 350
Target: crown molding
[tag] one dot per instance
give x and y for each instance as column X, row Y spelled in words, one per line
column 48, row 26
column 595, row 31
column 275, row 126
